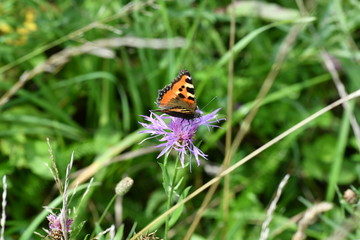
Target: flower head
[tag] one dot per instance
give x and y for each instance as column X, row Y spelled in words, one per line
column 178, row 133
column 149, row 236
column 124, row 186
column 55, row 228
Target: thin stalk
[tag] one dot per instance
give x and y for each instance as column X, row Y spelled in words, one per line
column 98, row 223
column 110, row 204
column 339, row 155
column 167, row 225
column 226, row 163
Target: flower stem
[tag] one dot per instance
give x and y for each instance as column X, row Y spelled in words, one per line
column 170, row 196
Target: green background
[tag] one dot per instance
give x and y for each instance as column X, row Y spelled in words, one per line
column 91, row 102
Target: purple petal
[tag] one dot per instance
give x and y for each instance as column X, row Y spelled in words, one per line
column 178, row 133
column 165, row 150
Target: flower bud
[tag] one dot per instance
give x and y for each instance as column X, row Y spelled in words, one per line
column 124, row 186
column 350, row 196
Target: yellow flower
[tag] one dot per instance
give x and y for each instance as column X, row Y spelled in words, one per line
column 5, row 28
column 21, row 40
column 31, row 26
column 28, row 26
column 29, row 16
column 22, row 30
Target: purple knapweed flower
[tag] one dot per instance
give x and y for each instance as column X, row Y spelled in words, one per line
column 55, row 228
column 178, row 133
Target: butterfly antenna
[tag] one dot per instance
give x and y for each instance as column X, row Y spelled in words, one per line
column 209, row 102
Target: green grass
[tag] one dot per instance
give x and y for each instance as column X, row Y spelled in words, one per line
column 91, row 105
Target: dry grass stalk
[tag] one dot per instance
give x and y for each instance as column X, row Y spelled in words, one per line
column 54, row 171
column 3, row 206
column 309, row 218
column 350, row 224
column 63, row 189
column 331, row 67
column 65, row 210
column 101, row 47
column 110, row 230
column 265, row 226
column 132, row 154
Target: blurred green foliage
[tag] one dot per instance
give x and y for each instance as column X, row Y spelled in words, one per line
column 91, row 105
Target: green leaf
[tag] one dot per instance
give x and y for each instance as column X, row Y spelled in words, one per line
column 77, row 230
column 177, row 213
column 132, row 231
column 120, row 232
column 166, row 178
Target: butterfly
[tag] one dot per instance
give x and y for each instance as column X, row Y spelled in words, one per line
column 178, row 98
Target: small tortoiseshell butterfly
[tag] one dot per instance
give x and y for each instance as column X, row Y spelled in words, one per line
column 178, row 98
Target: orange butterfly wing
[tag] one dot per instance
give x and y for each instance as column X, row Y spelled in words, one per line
column 178, row 98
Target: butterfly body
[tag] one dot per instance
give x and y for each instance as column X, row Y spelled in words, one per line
column 178, row 98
